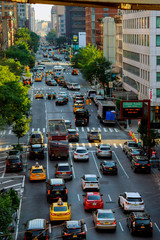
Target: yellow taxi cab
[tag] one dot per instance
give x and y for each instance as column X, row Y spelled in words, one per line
column 60, row 211
column 77, row 106
column 39, row 94
column 37, row 172
column 38, row 78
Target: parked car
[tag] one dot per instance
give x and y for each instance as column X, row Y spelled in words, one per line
column 80, row 154
column 55, row 189
column 37, row 228
column 75, row 229
column 133, row 152
column 63, row 170
column 104, row 151
column 128, row 145
column 109, row 167
column 131, row 201
column 140, row 223
column 90, row 182
column 94, row 135
column 104, row 219
column 141, row 164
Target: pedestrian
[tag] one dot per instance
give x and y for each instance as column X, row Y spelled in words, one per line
column 154, row 153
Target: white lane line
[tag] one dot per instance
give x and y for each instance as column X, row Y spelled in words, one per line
column 110, row 129
column 38, row 129
column 90, row 145
column 88, row 129
column 120, row 164
column 82, row 129
column 116, row 130
column 115, row 145
column 77, row 144
column 2, row 166
column 96, row 165
column 7, row 146
column 74, row 175
column 44, row 129
column 7, row 181
column 96, row 144
column 120, row 145
column 121, row 227
column 83, row 144
column 78, row 197
column 110, row 199
column 157, row 227
column 32, row 129
column 85, row 227
column 99, row 129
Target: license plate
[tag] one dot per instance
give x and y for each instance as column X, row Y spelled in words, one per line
column 37, row 175
column 142, row 167
column 135, row 204
column 13, row 165
column 74, row 236
column 58, row 192
column 36, row 152
column 64, row 173
column 94, row 204
column 91, row 185
column 110, row 168
column 106, row 222
column 81, row 155
column 142, row 226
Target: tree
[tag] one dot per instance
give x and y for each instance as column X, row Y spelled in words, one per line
column 51, row 36
column 21, row 127
column 14, row 66
column 14, row 101
column 61, row 40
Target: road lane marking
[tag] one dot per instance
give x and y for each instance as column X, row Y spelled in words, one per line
column 120, row 164
column 88, row 129
column 83, row 144
column 77, row 129
column 82, row 129
column 96, row 165
column 110, row 199
column 157, row 227
column 77, row 144
column 105, row 130
column 110, row 129
column 38, row 129
column 116, row 130
column 121, row 227
column 32, row 129
column 90, row 145
column 115, row 145
column 120, row 145
column 78, row 197
column 96, row 144
column 99, row 129
column 14, row 185
column 43, row 129
column 74, row 175
column 85, row 227
column 10, row 131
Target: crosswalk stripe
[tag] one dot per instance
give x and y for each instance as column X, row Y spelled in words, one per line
column 70, row 145
column 44, row 129
column 7, row 146
column 10, row 131
column 83, row 144
column 88, row 129
column 96, row 144
column 77, row 144
column 38, row 129
column 99, row 129
column 77, row 129
column 120, row 145
column 116, row 130
column 90, row 145
column 110, row 129
column 82, row 129
column 115, row 145
column 32, row 129
column 4, row 132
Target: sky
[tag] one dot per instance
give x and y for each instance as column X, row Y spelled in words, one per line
column 42, row 12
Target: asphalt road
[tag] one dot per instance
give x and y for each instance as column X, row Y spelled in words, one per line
column 34, row 202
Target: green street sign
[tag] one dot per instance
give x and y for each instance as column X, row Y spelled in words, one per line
column 132, row 104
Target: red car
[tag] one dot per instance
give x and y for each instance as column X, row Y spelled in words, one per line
column 93, row 200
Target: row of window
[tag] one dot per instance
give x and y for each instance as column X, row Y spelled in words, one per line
column 137, row 39
column 138, row 86
column 145, row 75
column 132, row 69
column 143, row 58
column 136, row 23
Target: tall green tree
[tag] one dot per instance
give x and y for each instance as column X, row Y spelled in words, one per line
column 61, row 40
column 51, row 36
column 14, row 101
column 21, row 127
column 14, row 66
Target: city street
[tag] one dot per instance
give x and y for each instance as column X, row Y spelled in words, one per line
column 34, row 202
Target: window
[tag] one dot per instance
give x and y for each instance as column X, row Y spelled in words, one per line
column 157, row 22
column 158, row 60
column 158, row 76
column 158, row 92
column 158, row 41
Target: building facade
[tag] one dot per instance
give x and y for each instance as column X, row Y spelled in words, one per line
column 60, row 21
column 23, row 15
column 75, row 22
column 53, row 17
column 32, row 19
column 94, row 24
column 141, row 57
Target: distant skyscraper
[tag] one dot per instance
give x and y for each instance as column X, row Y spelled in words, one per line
column 60, row 25
column 53, row 17
column 32, row 19
column 23, row 16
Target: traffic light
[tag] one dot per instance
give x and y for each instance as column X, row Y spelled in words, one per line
column 90, row 101
column 87, row 101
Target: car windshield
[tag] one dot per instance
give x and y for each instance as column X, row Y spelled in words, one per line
column 72, row 132
column 14, row 152
column 78, row 106
column 37, row 171
column 60, row 209
column 67, row 123
column 94, row 133
column 109, row 164
column 94, row 197
column 105, row 148
column 63, row 168
column 35, row 136
column 36, row 148
column 129, row 199
column 74, row 230
column 81, row 151
column 136, row 152
column 134, row 145
column 57, row 187
column 91, row 179
column 13, row 161
column 105, row 215
column 60, row 99
column 142, row 221
column 143, row 161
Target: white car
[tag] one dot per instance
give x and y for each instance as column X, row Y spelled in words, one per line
column 81, row 153
column 104, row 219
column 131, row 201
column 76, row 86
column 90, row 181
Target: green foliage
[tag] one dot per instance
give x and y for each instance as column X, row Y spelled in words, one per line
column 14, row 66
column 61, row 40
column 34, row 41
column 14, row 102
column 21, row 127
column 92, row 64
column 9, row 203
column 51, row 36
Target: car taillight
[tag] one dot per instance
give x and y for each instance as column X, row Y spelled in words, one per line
column 66, row 191
column 82, row 233
column 49, row 191
column 58, row 172
column 134, row 224
column 150, row 224
column 67, row 233
column 77, row 134
column 86, row 154
column 114, row 223
column 24, row 237
column 67, row 151
column 98, row 223
column 49, row 138
column 137, row 164
column 133, row 154
column 75, row 119
column 47, row 238
column 19, row 163
column 85, row 119
column 53, row 214
column 8, row 164
column 141, row 203
column 67, row 213
column 76, row 154
column 148, row 164
column 69, row 172
column 99, row 151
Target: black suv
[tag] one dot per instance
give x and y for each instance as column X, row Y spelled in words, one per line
column 74, row 230
column 37, row 229
column 55, row 189
column 36, row 151
column 141, row 164
column 140, row 222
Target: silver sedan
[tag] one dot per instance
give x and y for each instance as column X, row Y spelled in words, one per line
column 104, row 219
column 104, row 151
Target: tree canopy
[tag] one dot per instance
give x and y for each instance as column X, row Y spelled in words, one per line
column 14, row 101
column 51, row 36
column 14, row 66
